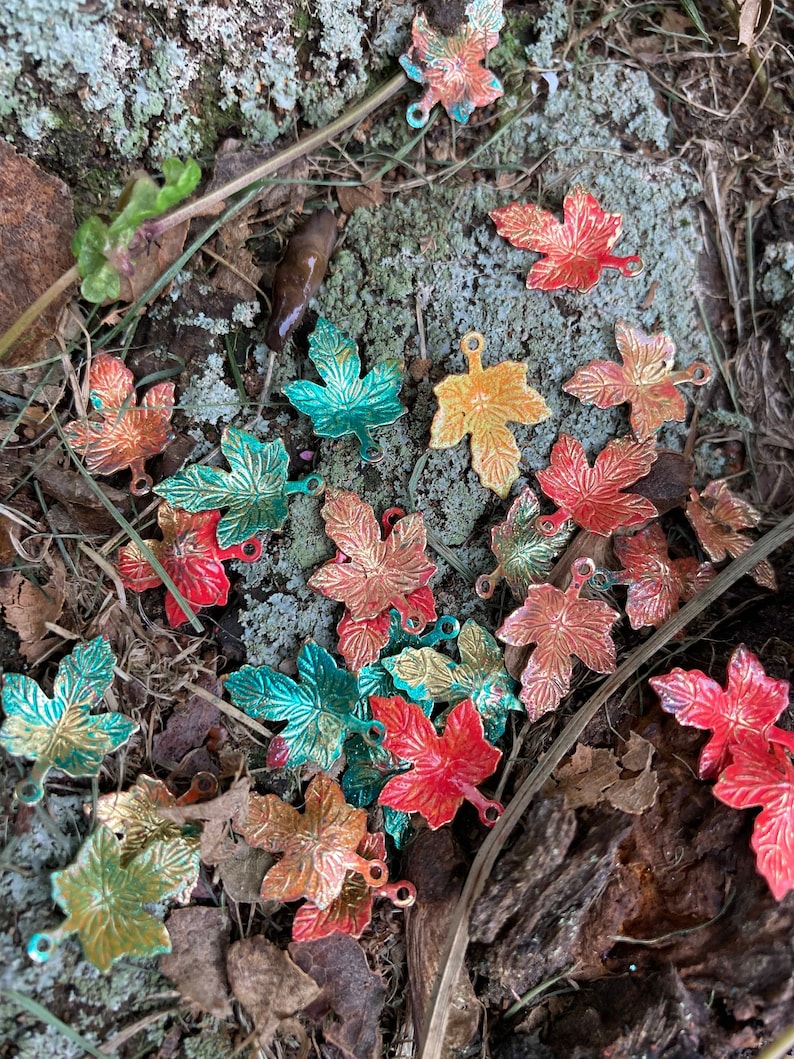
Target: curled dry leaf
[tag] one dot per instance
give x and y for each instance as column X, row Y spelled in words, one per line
column 197, row 960
column 716, row 515
column 27, row 606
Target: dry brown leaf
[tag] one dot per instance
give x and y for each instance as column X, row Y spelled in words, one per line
column 197, row 961
column 188, row 725
column 242, row 869
column 593, row 775
column 215, row 815
column 638, row 753
column 635, row 794
column 366, row 195
column 754, row 16
column 26, row 607
column 159, row 255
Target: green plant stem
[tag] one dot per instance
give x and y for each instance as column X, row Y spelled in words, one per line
column 40, row 305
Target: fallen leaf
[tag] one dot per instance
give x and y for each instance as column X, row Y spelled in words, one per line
column 716, row 514
column 585, row 779
column 754, row 16
column 158, row 257
column 28, row 606
column 197, row 961
column 367, row 196
column 188, row 724
column 242, row 869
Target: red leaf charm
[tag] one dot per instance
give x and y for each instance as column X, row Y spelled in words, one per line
column 561, row 625
column 445, row 767
column 762, row 774
column 360, row 642
column 745, row 710
column 576, row 250
column 190, row 554
column 716, row 514
column 656, row 583
column 645, row 379
column 127, row 434
column 592, row 496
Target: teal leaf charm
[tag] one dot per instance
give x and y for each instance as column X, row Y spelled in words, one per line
column 103, row 901
column 255, row 491
column 61, row 732
column 481, row 676
column 376, row 679
column 348, row 403
column 321, row 710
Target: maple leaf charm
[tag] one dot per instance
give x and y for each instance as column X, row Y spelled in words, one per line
column 645, row 379
column 561, row 625
column 347, row 404
column 128, row 433
column 318, row 846
column 592, row 496
column 576, row 251
column 716, row 515
column 190, row 555
column 481, row 404
column 60, row 732
column 321, row 711
column 451, row 66
column 445, row 767
column 255, row 490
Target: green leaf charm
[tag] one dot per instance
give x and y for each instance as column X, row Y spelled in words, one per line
column 255, row 491
column 376, row 679
column 61, row 732
column 321, row 711
column 481, row 676
column 104, row 901
column 348, row 403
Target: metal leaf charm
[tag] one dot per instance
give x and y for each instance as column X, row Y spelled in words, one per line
column 318, row 846
column 561, row 625
column 127, row 433
column 255, row 491
column 191, row 556
column 481, row 404
column 525, row 554
column 593, row 496
column 576, row 250
column 481, row 676
column 451, row 67
column 375, row 678
column 321, row 711
column 347, row 403
column 61, row 732
column 716, row 515
column 645, row 379
column 104, row 902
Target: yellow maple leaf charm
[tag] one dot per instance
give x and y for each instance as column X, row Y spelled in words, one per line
column 481, row 404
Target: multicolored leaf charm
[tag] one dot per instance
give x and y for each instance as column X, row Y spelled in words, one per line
column 645, row 379
column 451, row 67
column 445, row 767
column 562, row 626
column 481, row 676
column 104, row 902
column 321, row 711
column 347, row 403
column 525, row 554
column 127, row 433
column 593, row 496
column 255, row 491
column 656, row 583
column 576, row 250
column 318, row 846
column 716, row 515
column 746, row 710
column 375, row 678
column 190, row 555
column 61, row 732
column 481, row 404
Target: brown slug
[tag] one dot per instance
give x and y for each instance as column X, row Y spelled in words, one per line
column 298, row 276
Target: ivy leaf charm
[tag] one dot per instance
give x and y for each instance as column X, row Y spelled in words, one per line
column 255, row 491
column 104, row 902
column 347, row 404
column 481, row 404
column 61, row 732
column 645, row 379
column 321, row 711
column 575, row 251
column 190, row 555
column 127, row 433
column 716, row 515
column 561, row 625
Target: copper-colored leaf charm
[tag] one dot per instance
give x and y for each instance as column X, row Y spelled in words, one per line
column 319, row 845
column 593, row 496
column 645, row 379
column 576, row 250
column 561, row 625
column 127, row 433
column 716, row 515
column 481, row 404
column 190, row 555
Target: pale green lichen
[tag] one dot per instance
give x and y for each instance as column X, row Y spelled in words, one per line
column 208, row 398
column 776, row 284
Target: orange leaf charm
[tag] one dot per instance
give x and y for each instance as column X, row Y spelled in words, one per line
column 128, row 433
column 645, row 379
column 481, row 404
column 576, row 250
column 716, row 514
